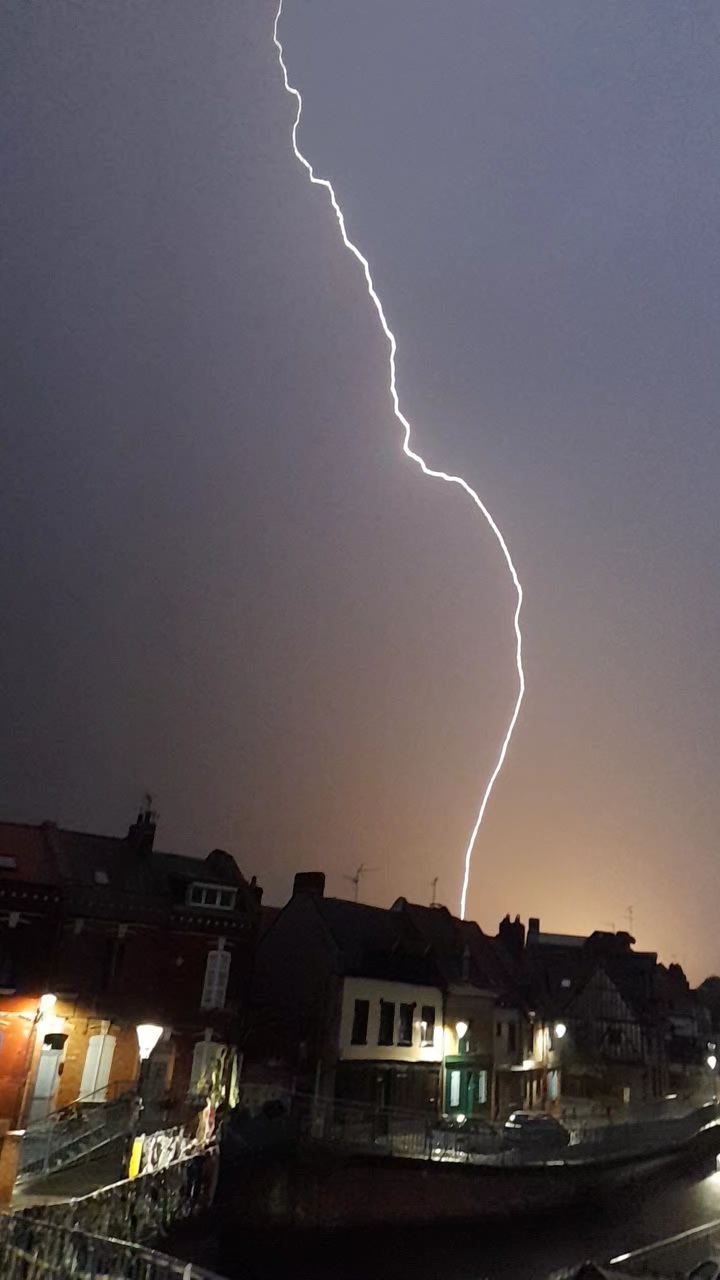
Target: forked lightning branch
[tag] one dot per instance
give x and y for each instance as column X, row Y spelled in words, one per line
column 415, row 457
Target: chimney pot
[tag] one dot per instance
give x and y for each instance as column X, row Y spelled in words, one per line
column 534, row 924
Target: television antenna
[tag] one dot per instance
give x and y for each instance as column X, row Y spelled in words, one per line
column 355, row 880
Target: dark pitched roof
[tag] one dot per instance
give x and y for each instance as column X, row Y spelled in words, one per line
column 109, row 873
column 25, row 847
column 375, row 942
column 555, row 971
column 460, row 948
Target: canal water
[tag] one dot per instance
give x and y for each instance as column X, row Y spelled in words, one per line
column 519, row 1249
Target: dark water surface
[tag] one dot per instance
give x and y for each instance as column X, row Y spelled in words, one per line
column 522, row 1248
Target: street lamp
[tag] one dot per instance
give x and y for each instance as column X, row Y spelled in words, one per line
column 712, row 1063
column 148, row 1035
column 461, row 1030
column 560, row 1030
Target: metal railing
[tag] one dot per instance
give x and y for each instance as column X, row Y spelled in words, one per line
column 31, row 1247
column 74, row 1131
column 395, row 1132
column 140, row 1208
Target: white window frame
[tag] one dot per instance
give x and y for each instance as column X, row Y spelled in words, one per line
column 211, row 895
column 217, row 973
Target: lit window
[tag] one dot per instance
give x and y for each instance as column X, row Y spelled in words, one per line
column 8, row 864
column 101, row 877
column 454, row 1099
column 427, row 1025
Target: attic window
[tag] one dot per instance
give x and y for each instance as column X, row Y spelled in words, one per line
column 101, row 877
column 206, row 895
column 8, row 864
column 566, row 983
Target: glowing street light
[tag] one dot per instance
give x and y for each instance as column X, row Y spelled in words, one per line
column 560, row 1030
column 47, row 1004
column 148, row 1035
column 461, row 1030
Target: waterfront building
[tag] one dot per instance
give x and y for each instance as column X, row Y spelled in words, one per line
column 486, row 1068
column 347, row 1004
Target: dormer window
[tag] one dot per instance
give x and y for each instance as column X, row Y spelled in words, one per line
column 8, row 864
column 212, row 895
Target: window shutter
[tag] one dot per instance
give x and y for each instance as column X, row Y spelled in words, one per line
column 96, row 1071
column 205, row 1056
column 217, row 972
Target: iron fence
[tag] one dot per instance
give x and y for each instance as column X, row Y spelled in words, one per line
column 396, row 1132
column 140, row 1208
column 31, row 1248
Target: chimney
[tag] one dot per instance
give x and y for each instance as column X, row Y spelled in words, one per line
column 534, row 924
column 309, row 882
column 141, row 833
column 511, row 933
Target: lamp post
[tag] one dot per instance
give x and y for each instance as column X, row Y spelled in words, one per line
column 148, row 1034
column 712, row 1063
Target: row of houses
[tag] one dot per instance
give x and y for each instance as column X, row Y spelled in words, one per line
column 106, row 941
column 411, row 1007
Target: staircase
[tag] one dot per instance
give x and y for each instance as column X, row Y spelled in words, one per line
column 74, row 1133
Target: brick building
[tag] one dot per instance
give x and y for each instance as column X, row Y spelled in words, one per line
column 99, row 934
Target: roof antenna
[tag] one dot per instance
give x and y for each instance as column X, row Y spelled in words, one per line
column 147, row 812
column 433, row 896
column 355, row 880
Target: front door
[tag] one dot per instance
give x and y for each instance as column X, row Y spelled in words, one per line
column 465, row 1090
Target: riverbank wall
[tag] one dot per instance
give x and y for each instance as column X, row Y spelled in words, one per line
column 324, row 1189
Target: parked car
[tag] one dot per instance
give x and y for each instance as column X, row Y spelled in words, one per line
column 460, row 1133
column 527, row 1129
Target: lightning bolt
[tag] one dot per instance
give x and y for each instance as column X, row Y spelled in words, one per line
column 415, row 457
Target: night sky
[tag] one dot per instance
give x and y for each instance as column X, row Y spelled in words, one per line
column 223, row 583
